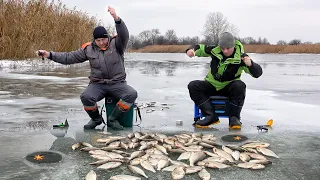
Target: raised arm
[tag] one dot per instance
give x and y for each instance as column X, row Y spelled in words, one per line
column 122, row 37
column 122, row 31
column 72, row 57
column 252, row 68
column 199, row 50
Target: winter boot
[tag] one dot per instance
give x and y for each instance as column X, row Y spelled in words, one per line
column 96, row 119
column 234, row 116
column 208, row 111
column 117, row 114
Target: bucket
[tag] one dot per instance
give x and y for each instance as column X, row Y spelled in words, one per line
column 127, row 118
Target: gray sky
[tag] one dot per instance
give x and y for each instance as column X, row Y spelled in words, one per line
column 272, row 19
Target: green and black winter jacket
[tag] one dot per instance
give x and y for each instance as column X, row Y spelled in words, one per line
column 224, row 70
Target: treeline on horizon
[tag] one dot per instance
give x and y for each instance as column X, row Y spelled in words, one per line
column 154, row 37
column 30, row 25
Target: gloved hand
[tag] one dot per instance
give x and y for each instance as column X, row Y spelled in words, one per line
column 43, row 53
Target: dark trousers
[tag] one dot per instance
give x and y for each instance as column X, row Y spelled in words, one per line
column 200, row 91
column 96, row 92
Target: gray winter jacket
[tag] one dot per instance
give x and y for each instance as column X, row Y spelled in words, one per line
column 107, row 66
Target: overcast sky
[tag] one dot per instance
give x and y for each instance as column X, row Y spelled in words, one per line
column 272, row 19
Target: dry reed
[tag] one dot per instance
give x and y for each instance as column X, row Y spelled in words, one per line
column 26, row 26
column 281, row 49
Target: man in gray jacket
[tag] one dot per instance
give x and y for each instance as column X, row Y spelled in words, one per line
column 108, row 76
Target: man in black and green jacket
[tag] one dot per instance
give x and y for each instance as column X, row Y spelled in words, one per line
column 223, row 79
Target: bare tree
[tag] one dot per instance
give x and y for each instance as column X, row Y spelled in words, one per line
column 195, row 40
column 171, row 36
column 282, row 42
column 249, row 40
column 295, row 42
column 160, row 40
column 216, row 24
column 132, row 40
column 146, row 37
column 265, row 41
column 154, row 34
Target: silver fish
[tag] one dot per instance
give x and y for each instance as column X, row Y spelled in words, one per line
column 136, row 161
column 114, row 155
column 103, row 161
column 211, row 154
column 109, row 165
column 169, row 141
column 178, row 173
column 114, row 144
column 183, row 136
column 137, row 135
column 101, row 157
column 75, row 146
column 256, row 144
column 213, row 164
column 244, row 157
column 161, row 148
column 196, row 135
column 216, row 159
column 246, row 165
column 178, row 163
column 263, row 162
column 194, row 169
column 144, row 146
column 153, row 162
column 120, row 152
column 152, row 143
column 206, row 145
column 86, row 144
column 162, row 164
column 130, row 135
column 89, row 149
column 267, row 152
column 158, row 156
column 256, row 156
column 223, row 154
column 204, row 175
column 184, row 156
column 124, row 177
column 136, row 154
column 110, row 148
column 195, row 157
column 91, row 175
column 251, row 150
column 134, row 140
column 137, row 170
column 192, row 149
column 192, row 143
column 146, row 165
column 236, row 155
column 183, row 141
column 258, row 166
column 144, row 137
column 227, row 150
column 201, row 163
column 176, row 150
column 170, row 168
column 208, row 136
column 124, row 145
column 98, row 152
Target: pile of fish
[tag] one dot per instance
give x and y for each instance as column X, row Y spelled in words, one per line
column 150, row 106
column 195, row 153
